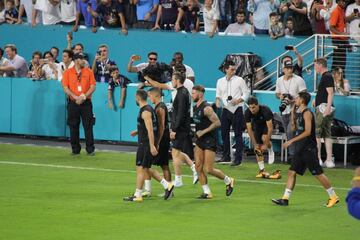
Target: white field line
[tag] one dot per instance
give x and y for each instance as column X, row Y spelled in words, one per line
column 130, row 171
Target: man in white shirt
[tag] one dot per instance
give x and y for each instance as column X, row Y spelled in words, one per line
column 352, row 14
column 287, row 89
column 68, row 11
column 240, row 27
column 50, row 11
column 231, row 93
column 178, row 57
column 17, row 66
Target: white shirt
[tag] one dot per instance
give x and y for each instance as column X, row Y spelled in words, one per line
column 211, row 16
column 326, row 14
column 20, row 66
column 236, row 88
column 62, row 67
column 240, row 29
column 3, row 62
column 142, row 66
column 292, row 86
column 354, row 28
column 68, row 10
column 50, row 14
column 189, row 71
column 28, row 6
column 49, row 72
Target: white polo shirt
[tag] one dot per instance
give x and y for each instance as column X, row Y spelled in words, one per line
column 236, row 88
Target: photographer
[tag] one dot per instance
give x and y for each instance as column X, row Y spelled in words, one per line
column 152, row 60
column 102, row 64
column 287, row 89
column 49, row 69
column 298, row 10
column 34, row 67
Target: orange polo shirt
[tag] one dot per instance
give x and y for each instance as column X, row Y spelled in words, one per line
column 78, row 84
column 338, row 20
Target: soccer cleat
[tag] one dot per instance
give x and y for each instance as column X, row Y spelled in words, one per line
column 169, row 191
column 178, row 184
column 281, row 202
column 329, row 164
column 195, row 178
column 205, row 196
column 275, row 175
column 146, row 194
column 271, row 156
column 262, row 174
column 230, row 187
column 332, row 201
column 163, row 194
column 133, row 199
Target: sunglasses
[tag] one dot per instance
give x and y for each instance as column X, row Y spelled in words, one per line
column 153, row 59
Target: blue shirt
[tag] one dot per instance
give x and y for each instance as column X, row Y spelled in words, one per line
column 353, row 202
column 81, row 7
column 143, row 7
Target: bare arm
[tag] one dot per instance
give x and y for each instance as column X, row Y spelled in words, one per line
column 269, row 125
column 7, row 68
column 146, row 116
column 298, row 57
column 251, row 134
column 178, row 20
column 122, row 99
column 307, row 131
column 90, row 91
column 70, row 93
column 156, row 84
column 130, row 67
column 215, row 122
column 123, row 24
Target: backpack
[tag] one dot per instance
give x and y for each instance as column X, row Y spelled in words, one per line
column 340, row 128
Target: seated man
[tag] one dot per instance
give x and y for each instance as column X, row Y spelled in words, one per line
column 17, row 66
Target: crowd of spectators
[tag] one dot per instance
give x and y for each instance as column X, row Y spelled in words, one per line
column 275, row 18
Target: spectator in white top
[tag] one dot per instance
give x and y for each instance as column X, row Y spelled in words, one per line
column 231, row 93
column 17, row 66
column 211, row 17
column 352, row 14
column 50, row 11
column 325, row 12
column 260, row 10
column 3, row 62
column 287, row 89
column 178, row 57
column 240, row 27
column 67, row 62
column 27, row 6
column 49, row 69
column 68, row 10
column 342, row 86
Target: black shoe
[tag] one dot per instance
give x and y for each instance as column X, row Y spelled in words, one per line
column 75, row 153
column 234, row 164
column 281, row 202
column 169, row 191
column 230, row 187
column 91, row 154
column 205, row 196
column 224, row 160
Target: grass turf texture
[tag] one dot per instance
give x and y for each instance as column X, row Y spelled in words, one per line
column 43, row 202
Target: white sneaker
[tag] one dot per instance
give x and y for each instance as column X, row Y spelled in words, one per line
column 321, row 163
column 178, row 184
column 195, row 178
column 271, row 156
column 329, row 164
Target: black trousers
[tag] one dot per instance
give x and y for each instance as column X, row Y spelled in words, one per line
column 236, row 120
column 75, row 112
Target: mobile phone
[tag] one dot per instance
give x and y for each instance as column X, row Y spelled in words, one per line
column 45, row 60
column 289, row 47
column 136, row 58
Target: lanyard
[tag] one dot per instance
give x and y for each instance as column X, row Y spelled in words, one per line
column 103, row 66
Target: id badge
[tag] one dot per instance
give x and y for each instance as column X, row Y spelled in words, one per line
column 102, row 79
column 79, row 88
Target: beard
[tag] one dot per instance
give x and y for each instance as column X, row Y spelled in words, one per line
column 196, row 100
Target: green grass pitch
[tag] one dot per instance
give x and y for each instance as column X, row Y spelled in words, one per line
column 47, row 194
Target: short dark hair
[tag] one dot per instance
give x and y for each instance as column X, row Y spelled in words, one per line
column 179, row 76
column 152, row 53
column 56, row 48
column 156, row 90
column 36, row 53
column 47, row 52
column 199, row 88
column 69, row 52
column 180, row 54
column 142, row 94
column 273, row 14
column 290, row 19
column 253, row 100
column 78, row 44
column 241, row 12
column 286, row 56
column 321, row 61
column 305, row 96
column 228, row 63
column 11, row 46
column 179, row 67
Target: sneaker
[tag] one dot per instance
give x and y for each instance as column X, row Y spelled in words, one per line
column 163, row 194
column 271, row 156
column 195, row 178
column 169, row 191
column 263, row 174
column 230, row 187
column 332, row 201
column 205, row 196
column 133, row 199
column 329, row 164
column 321, row 163
column 275, row 175
column 281, row 202
column 178, row 184
column 235, row 164
column 146, row 194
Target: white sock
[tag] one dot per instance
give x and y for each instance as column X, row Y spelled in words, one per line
column 287, row 193
column 331, row 192
column 206, row 189
column 138, row 193
column 164, row 183
column 227, row 180
column 178, row 178
column 271, row 150
column 261, row 165
column 147, row 185
column 193, row 168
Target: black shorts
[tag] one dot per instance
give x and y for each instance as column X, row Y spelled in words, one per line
column 208, row 143
column 144, row 157
column 258, row 133
column 307, row 158
column 162, row 159
column 183, row 143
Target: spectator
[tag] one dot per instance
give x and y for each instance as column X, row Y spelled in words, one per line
column 240, row 27
column 11, row 14
column 289, row 29
column 297, row 68
column 68, row 11
column 353, row 197
column 152, row 59
column 297, row 9
column 317, row 19
column 35, row 67
column 233, row 7
column 77, row 48
column 353, row 18
column 178, row 58
column 276, row 28
column 146, row 13
column 130, row 12
column 3, row 62
column 338, row 27
column 260, row 10
column 27, row 6
column 67, row 62
column 117, row 80
column 211, row 17
column 55, row 52
column 83, row 8
column 166, row 15
column 17, row 66
column 190, row 13
column 50, row 11
column 109, row 13
column 342, row 86
column 287, row 89
column 49, row 69
column 324, row 111
column 2, row 12
column 102, row 64
column 326, row 11
column 231, row 93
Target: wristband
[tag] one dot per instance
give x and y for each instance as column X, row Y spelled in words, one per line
column 357, row 178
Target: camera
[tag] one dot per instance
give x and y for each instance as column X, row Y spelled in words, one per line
column 159, row 72
column 98, row 52
column 285, row 102
column 289, row 47
column 229, row 98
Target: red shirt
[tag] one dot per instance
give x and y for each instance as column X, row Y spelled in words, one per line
column 78, row 83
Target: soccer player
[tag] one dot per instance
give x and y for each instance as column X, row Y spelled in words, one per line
column 182, row 149
column 162, row 142
column 259, row 125
column 206, row 121
column 303, row 125
column 146, row 130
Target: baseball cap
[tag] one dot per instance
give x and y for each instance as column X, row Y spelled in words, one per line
column 288, row 64
column 79, row 56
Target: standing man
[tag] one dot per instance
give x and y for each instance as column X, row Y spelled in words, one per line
column 324, row 111
column 259, row 124
column 303, row 125
column 79, row 84
column 102, row 64
column 178, row 58
column 206, row 121
column 231, row 92
column 146, row 131
column 182, row 149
